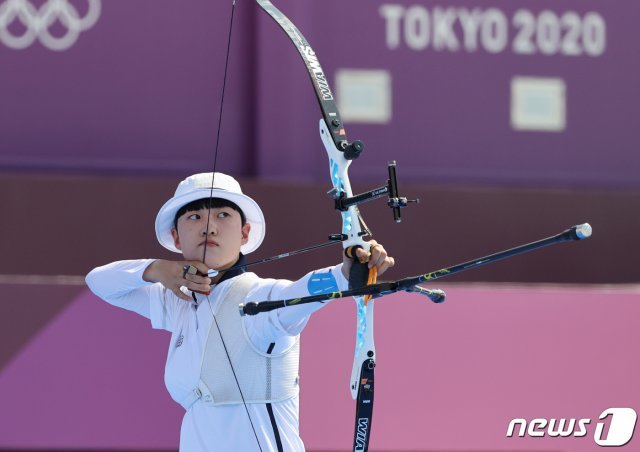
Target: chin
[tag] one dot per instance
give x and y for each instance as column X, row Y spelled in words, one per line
column 217, row 264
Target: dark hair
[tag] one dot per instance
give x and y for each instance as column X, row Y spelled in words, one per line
column 206, row 203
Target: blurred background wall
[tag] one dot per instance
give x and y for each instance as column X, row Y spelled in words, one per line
column 510, row 120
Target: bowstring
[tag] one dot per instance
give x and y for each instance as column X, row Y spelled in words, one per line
column 224, row 86
column 204, row 254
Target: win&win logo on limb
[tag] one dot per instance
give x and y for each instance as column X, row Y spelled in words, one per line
column 615, row 430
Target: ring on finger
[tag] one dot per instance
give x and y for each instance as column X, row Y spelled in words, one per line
column 188, row 269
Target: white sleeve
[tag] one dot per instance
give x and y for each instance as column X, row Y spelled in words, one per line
column 290, row 321
column 120, row 284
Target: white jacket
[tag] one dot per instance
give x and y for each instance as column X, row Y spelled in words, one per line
column 222, row 427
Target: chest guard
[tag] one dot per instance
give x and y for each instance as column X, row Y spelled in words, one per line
column 263, row 377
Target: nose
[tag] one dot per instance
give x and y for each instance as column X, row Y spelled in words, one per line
column 210, row 226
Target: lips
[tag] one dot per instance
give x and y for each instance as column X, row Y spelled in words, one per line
column 210, row 243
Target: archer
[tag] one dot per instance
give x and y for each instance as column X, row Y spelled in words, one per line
column 230, row 373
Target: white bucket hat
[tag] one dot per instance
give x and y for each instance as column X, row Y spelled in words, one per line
column 199, row 186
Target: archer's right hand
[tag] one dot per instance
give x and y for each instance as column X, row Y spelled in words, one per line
column 173, row 276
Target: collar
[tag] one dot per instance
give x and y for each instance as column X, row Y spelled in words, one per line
column 238, row 268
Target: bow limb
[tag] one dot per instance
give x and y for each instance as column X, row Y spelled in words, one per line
column 319, row 81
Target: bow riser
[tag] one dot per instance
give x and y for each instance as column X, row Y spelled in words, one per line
column 338, row 171
column 351, row 227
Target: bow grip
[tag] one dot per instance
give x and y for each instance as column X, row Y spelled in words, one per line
column 359, row 273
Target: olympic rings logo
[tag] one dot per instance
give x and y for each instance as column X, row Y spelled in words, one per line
column 17, row 14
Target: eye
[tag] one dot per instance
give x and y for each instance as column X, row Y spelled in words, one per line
column 223, row 214
column 194, row 216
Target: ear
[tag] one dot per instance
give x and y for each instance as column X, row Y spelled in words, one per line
column 245, row 233
column 176, row 238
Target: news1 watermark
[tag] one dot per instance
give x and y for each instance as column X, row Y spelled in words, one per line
column 615, row 429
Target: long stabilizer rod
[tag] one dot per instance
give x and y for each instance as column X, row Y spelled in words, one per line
column 578, row 232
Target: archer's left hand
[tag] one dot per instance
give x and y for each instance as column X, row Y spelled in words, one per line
column 377, row 257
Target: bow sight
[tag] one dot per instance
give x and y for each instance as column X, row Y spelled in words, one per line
column 395, row 201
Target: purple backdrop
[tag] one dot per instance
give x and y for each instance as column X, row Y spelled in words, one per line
column 140, row 90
